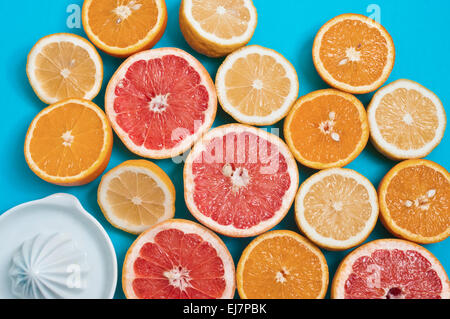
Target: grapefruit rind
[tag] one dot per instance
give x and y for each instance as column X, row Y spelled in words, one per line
column 76, row 40
column 329, row 79
column 153, row 36
column 137, row 166
column 276, row 115
column 96, row 168
column 385, row 217
column 331, row 243
column 389, row 150
column 230, row 230
column 184, row 145
column 345, row 267
column 358, row 148
column 278, row 233
column 185, row 226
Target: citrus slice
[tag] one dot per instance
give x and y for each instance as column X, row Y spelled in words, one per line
column 414, row 201
column 178, row 259
column 217, row 27
column 281, row 264
column 136, row 195
column 326, row 128
column 336, row 208
column 160, row 101
column 256, row 85
column 69, row 143
column 62, row 66
column 239, row 180
column 390, row 269
column 406, row 120
column 121, row 28
column 353, row 53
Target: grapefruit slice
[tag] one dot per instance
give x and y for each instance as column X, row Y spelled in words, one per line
column 390, row 269
column 160, row 101
column 240, row 180
column 281, row 264
column 178, row 259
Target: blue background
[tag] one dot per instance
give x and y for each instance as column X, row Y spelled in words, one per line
column 420, row 33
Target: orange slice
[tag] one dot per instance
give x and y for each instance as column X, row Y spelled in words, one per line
column 281, row 264
column 217, row 27
column 123, row 27
column 406, row 120
column 414, row 201
column 336, row 208
column 256, row 85
column 326, row 129
column 69, row 143
column 136, row 195
column 353, row 53
column 62, row 66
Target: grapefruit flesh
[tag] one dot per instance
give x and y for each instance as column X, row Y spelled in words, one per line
column 178, row 260
column 240, row 182
column 160, row 101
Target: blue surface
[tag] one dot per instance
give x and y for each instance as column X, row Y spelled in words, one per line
column 419, row 30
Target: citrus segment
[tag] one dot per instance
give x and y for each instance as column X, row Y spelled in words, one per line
column 415, row 200
column 336, row 208
column 326, row 128
column 155, row 115
column 282, row 265
column 62, row 66
column 69, row 142
column 406, row 120
column 178, row 259
column 136, row 195
column 217, row 27
column 256, row 85
column 390, row 269
column 353, row 53
column 240, row 181
column 124, row 27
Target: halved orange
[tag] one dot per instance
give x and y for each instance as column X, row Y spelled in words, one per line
column 123, row 27
column 326, row 128
column 353, row 53
column 217, row 27
column 415, row 201
column 136, row 195
column 406, row 120
column 281, row 264
column 69, row 143
column 336, row 208
column 62, row 66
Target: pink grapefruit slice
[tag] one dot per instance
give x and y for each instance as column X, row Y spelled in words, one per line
column 178, row 259
column 160, row 102
column 240, row 180
column 390, row 269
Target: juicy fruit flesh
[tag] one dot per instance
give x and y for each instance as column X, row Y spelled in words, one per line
column 418, row 200
column 67, row 141
column 407, row 119
column 160, row 102
column 354, row 53
column 337, row 207
column 64, row 70
column 282, row 267
column 223, row 18
column 326, row 129
column 136, row 198
column 178, row 265
column 114, row 22
column 240, row 180
column 393, row 273
column 257, row 85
